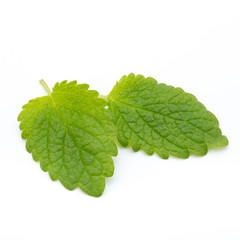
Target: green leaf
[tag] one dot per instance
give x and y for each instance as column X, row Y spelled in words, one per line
column 70, row 133
column 163, row 119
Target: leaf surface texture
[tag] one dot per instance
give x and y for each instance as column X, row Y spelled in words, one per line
column 159, row 118
column 70, row 132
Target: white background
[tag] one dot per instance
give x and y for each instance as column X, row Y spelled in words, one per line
column 194, row 45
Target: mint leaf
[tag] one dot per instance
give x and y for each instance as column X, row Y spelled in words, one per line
column 163, row 119
column 70, row 133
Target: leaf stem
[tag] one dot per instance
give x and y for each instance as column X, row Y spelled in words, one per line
column 103, row 97
column 45, row 86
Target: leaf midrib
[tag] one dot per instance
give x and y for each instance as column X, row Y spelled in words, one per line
column 167, row 116
column 73, row 139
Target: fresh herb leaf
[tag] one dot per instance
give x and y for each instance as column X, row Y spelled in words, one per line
column 70, row 133
column 163, row 119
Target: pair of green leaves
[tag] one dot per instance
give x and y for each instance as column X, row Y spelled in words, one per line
column 72, row 133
